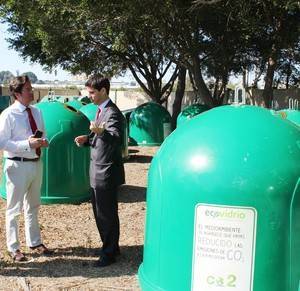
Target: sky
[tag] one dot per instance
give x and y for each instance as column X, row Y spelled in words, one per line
column 11, row 61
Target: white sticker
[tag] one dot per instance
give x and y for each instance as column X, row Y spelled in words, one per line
column 224, row 248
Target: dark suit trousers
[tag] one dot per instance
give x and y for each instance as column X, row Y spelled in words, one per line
column 105, row 207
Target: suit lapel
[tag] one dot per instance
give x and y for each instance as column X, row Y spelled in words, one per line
column 101, row 119
column 104, row 110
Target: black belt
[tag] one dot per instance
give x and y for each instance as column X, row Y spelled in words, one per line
column 23, row 159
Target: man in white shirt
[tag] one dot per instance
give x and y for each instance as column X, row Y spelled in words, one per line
column 23, row 166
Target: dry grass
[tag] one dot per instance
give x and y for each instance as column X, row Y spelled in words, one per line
column 71, row 231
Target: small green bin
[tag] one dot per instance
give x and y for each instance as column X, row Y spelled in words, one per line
column 189, row 112
column 149, row 125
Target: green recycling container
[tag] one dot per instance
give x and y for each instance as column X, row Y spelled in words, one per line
column 64, row 99
column 75, row 104
column 51, row 98
column 223, row 210
column 84, row 99
column 46, row 98
column 90, row 111
column 65, row 166
column 189, row 112
column 149, row 125
column 291, row 115
column 127, row 114
column 4, row 102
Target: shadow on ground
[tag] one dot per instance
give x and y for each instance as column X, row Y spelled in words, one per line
column 131, row 194
column 142, row 159
column 76, row 261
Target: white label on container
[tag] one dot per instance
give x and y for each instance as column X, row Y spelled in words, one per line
column 224, row 248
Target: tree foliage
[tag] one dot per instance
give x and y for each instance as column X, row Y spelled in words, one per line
column 75, row 36
column 208, row 42
column 5, row 77
column 210, row 39
column 273, row 29
column 32, row 76
column 216, row 40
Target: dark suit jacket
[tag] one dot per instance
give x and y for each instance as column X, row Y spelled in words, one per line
column 106, row 166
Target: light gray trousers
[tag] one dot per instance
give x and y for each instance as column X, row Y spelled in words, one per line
column 23, row 184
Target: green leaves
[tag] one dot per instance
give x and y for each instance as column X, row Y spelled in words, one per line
column 148, row 37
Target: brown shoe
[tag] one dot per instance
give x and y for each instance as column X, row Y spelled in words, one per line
column 41, row 250
column 18, row 256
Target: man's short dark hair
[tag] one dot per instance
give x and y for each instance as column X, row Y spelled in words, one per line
column 98, row 82
column 17, row 83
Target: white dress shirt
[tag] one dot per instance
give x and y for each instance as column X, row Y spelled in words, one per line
column 15, row 130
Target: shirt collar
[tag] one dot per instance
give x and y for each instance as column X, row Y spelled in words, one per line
column 18, row 105
column 102, row 105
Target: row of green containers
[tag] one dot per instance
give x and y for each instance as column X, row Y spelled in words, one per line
column 76, row 101
column 84, row 105
column 149, row 124
column 73, row 162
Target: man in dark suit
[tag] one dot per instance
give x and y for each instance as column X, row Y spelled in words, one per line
column 106, row 166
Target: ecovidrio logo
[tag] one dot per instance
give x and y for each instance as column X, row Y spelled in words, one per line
column 226, row 213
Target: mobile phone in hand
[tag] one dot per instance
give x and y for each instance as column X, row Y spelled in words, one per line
column 38, row 134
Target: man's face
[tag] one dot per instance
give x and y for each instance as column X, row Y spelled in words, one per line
column 26, row 95
column 97, row 96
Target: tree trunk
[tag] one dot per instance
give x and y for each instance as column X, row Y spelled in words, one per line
column 288, row 76
column 268, row 89
column 202, row 90
column 287, row 80
column 226, row 97
column 222, row 91
column 178, row 96
column 153, row 88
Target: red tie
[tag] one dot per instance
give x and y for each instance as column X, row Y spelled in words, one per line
column 98, row 113
column 33, row 127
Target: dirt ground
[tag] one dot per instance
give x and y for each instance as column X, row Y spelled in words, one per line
column 71, row 231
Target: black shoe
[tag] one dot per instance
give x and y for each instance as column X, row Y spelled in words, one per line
column 104, row 261
column 99, row 252
column 117, row 253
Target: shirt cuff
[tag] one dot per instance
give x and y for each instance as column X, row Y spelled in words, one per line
column 24, row 146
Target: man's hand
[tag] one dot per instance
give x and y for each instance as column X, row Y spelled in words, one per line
column 35, row 143
column 80, row 140
column 95, row 128
column 45, row 143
